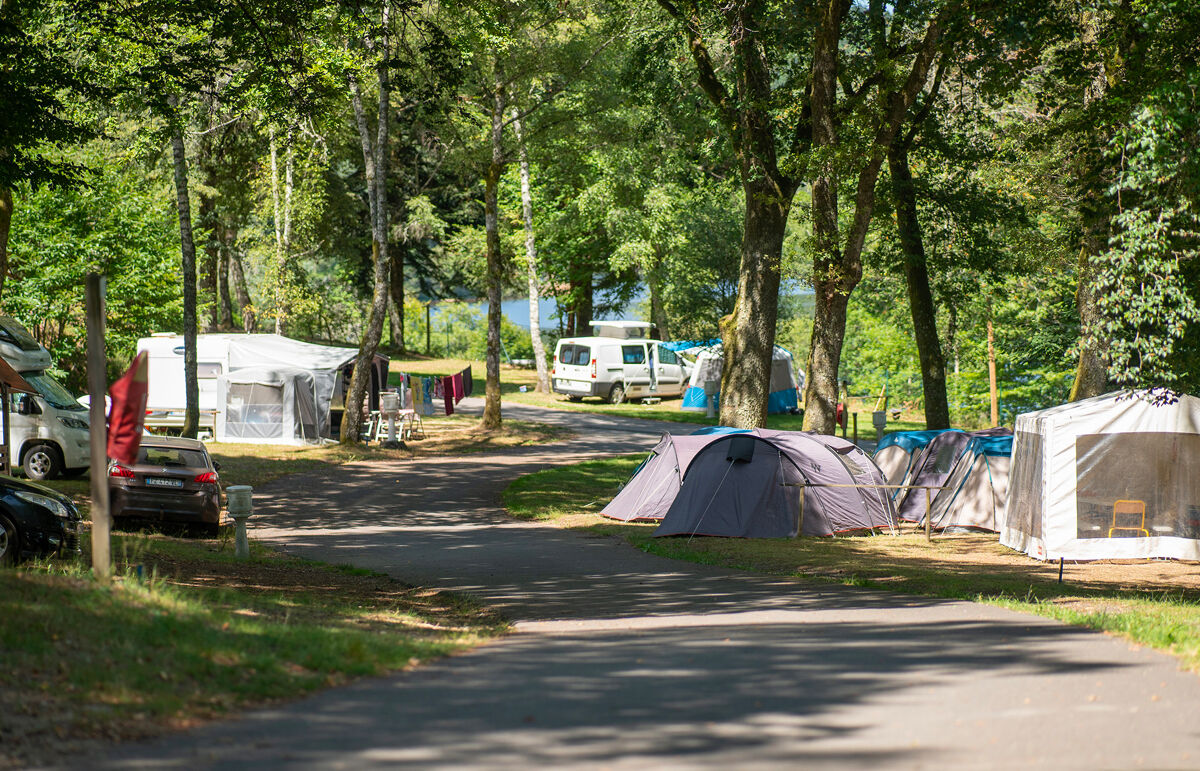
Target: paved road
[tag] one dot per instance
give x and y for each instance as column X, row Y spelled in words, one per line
column 624, row 660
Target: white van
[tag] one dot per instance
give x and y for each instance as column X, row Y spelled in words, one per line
column 48, row 430
column 630, row 366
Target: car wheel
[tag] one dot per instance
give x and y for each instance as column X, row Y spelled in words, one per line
column 574, row 398
column 617, row 394
column 41, row 462
column 10, row 542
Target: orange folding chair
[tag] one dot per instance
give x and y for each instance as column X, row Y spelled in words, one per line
column 1125, row 513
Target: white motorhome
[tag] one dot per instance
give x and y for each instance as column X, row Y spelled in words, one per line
column 619, row 361
column 48, row 430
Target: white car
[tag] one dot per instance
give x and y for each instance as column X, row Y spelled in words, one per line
column 616, row 369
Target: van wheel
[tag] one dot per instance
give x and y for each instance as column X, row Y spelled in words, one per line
column 574, row 398
column 617, row 394
column 10, row 542
column 41, row 462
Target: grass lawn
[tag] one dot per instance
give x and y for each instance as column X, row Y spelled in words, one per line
column 1152, row 602
column 199, row 635
column 512, row 379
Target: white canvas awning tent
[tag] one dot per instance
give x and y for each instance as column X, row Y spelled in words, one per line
column 974, row 494
column 222, row 354
column 1112, row 477
column 273, row 405
column 710, row 361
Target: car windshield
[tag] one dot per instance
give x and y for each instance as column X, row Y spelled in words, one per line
column 169, row 457
column 53, row 392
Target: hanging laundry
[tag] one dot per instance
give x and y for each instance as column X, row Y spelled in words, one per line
column 427, row 386
column 468, row 382
column 457, row 381
column 448, row 393
column 416, row 396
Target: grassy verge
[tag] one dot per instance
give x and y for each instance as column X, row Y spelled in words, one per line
column 199, row 635
column 513, row 379
column 1155, row 603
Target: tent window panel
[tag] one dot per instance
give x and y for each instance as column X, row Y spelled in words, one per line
column 255, row 410
column 1025, row 510
column 1160, row 470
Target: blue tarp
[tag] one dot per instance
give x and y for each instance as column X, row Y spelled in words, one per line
column 720, row 430
column 992, row 445
column 683, row 345
column 911, row 440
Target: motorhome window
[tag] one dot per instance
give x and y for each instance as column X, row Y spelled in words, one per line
column 208, row 370
column 50, row 390
column 666, row 356
column 633, row 354
column 169, row 457
column 12, row 332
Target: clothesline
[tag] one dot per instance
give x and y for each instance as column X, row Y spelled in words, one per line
column 420, row 392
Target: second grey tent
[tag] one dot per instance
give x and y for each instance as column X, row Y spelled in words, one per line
column 778, row 484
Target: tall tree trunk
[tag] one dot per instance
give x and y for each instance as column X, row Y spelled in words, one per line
column 531, row 266
column 224, row 302
column 658, row 308
column 491, row 216
column 920, row 298
column 1091, row 372
column 6, row 212
column 749, row 332
column 376, row 168
column 191, row 387
column 241, row 289
column 207, row 279
column 396, row 306
column 283, row 227
column 838, row 269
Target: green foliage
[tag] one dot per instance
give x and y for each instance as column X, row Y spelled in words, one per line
column 1146, row 281
column 121, row 226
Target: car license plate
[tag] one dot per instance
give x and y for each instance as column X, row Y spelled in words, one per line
column 156, row 482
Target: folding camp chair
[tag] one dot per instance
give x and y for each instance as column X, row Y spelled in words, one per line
column 411, row 425
column 1125, row 513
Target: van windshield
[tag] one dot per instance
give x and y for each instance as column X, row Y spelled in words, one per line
column 52, row 391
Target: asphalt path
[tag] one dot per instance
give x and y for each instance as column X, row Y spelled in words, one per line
column 625, row 660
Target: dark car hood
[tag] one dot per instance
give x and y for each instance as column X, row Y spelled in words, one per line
column 12, row 483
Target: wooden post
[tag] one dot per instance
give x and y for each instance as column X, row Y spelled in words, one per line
column 928, row 517
column 991, row 353
column 856, row 429
column 97, row 360
column 800, row 529
column 428, row 315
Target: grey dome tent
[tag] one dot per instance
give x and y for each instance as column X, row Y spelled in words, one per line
column 975, row 491
column 751, row 485
column 932, row 468
column 898, row 450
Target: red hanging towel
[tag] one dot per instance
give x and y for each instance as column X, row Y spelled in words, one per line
column 128, row 411
column 459, row 391
column 448, row 393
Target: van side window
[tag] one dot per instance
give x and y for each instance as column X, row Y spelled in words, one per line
column 583, row 355
column 666, row 356
column 633, row 354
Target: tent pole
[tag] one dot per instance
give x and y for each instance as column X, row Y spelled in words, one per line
column 800, row 531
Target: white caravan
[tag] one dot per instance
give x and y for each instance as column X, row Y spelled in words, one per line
column 48, row 430
column 619, row 361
